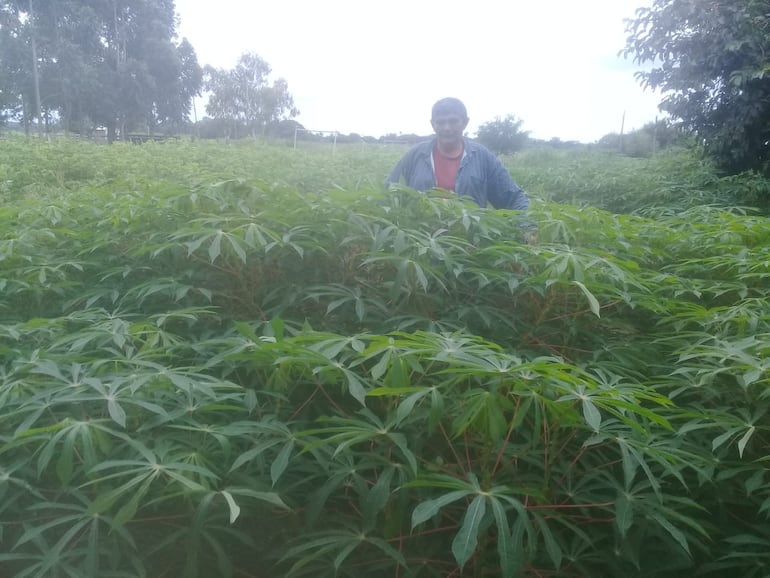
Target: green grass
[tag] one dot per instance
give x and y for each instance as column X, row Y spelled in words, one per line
column 246, row 360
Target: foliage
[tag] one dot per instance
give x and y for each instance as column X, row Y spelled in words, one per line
column 674, row 180
column 503, row 136
column 646, row 141
column 11, row 64
column 208, row 376
column 116, row 64
column 709, row 58
column 243, row 98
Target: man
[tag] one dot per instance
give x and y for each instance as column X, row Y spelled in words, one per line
column 451, row 162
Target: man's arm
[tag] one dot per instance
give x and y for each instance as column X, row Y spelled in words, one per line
column 397, row 173
column 503, row 192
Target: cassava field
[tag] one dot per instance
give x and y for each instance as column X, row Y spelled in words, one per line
column 249, row 361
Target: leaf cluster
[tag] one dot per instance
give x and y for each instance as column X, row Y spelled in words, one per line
column 243, row 377
column 709, row 60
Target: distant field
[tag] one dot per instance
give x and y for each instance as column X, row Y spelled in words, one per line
column 588, row 176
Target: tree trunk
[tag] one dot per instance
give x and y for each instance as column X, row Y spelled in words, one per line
column 35, row 73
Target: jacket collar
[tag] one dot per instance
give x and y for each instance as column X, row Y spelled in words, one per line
column 469, row 147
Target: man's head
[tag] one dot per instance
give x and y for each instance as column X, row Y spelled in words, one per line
column 449, row 106
column 449, row 119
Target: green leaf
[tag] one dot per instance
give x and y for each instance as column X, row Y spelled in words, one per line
column 379, row 368
column 117, row 413
column 672, row 530
column 721, row 439
column 551, row 545
column 406, row 406
column 64, row 465
column 235, row 510
column 426, row 510
column 624, row 514
column 466, row 540
column 215, row 248
column 281, row 461
column 277, row 325
column 127, row 512
column 745, row 440
column 382, row 391
column 355, row 387
column 344, row 553
column 269, row 497
column 507, row 550
column 592, row 301
column 377, row 498
column 591, row 414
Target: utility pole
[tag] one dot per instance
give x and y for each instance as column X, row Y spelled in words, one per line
column 622, row 128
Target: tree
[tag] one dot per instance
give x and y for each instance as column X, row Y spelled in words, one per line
column 503, row 136
column 243, row 98
column 709, row 58
column 11, row 64
column 115, row 63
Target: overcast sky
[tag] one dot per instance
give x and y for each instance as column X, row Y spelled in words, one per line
column 376, row 67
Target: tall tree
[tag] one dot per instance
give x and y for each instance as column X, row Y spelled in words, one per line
column 11, row 63
column 711, row 60
column 244, row 99
column 115, row 63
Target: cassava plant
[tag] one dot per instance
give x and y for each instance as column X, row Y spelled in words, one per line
column 232, row 371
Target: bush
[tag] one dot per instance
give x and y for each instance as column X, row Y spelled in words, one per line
column 503, row 136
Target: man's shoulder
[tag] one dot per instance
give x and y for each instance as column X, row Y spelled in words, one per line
column 422, row 147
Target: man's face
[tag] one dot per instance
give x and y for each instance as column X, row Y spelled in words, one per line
column 449, row 128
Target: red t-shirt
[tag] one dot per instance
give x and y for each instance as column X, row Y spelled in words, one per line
column 445, row 169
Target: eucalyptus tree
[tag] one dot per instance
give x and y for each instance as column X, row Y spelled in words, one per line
column 244, row 99
column 709, row 58
column 116, row 63
column 11, row 64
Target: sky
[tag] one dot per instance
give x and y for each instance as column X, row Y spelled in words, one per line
column 377, row 67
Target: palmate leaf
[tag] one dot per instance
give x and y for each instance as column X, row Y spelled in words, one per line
column 340, row 543
column 142, row 245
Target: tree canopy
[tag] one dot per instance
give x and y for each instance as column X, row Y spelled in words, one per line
column 503, row 136
column 710, row 60
column 115, row 63
column 245, row 100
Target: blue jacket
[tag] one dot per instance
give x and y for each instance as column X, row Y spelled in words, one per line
column 481, row 176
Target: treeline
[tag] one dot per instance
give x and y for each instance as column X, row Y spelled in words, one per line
column 79, row 64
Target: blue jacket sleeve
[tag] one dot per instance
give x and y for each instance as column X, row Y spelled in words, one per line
column 396, row 174
column 503, row 191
